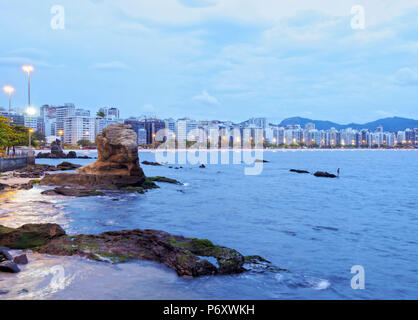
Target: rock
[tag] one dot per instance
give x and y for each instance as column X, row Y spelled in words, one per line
column 324, row 174
column 64, row 166
column 29, row 235
column 72, row 155
column 3, row 292
column 34, row 171
column 118, row 153
column 72, row 192
column 202, row 166
column 262, row 161
column 149, row 163
column 9, row 266
column 21, row 259
column 3, row 186
column 164, row 179
column 116, row 167
column 299, row 171
column 5, row 255
column 184, row 255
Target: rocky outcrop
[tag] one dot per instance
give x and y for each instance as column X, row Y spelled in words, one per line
column 324, row 174
column 116, row 167
column 29, row 235
column 187, row 256
column 58, row 153
column 118, row 153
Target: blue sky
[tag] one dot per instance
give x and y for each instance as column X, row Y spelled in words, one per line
column 213, row 59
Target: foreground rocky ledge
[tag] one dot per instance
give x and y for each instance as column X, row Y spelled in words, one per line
column 184, row 255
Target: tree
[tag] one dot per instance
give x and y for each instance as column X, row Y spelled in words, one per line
column 85, row 143
column 101, row 114
column 39, row 138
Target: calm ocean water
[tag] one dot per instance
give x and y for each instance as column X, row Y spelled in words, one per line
column 317, row 228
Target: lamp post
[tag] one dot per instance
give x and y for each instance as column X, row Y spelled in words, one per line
column 61, row 134
column 31, row 111
column 9, row 90
column 28, row 69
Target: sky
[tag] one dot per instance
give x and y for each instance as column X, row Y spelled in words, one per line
column 215, row 59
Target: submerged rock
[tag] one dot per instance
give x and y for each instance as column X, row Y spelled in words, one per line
column 187, row 256
column 164, row 179
column 72, row 192
column 324, row 174
column 299, row 171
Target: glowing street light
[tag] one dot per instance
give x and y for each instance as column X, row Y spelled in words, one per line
column 28, row 69
column 31, row 111
column 9, row 90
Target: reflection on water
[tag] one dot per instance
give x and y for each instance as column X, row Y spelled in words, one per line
column 317, row 228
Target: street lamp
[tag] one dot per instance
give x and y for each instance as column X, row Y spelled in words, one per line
column 9, row 90
column 31, row 111
column 28, row 69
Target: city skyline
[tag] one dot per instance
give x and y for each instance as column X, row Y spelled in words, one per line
column 274, row 60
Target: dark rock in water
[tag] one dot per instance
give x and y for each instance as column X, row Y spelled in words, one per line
column 262, row 161
column 72, row 155
column 72, row 192
column 324, row 174
column 9, row 266
column 149, row 163
column 3, row 292
column 299, row 171
column 5, row 255
column 179, row 253
column 184, row 255
column 202, row 166
column 64, row 166
column 85, row 157
column 3, row 186
column 29, row 235
column 34, row 171
column 21, row 259
column 164, row 179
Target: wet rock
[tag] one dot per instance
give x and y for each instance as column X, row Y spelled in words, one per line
column 3, row 186
column 202, row 166
column 3, row 292
column 324, row 174
column 149, row 163
column 21, row 259
column 67, row 166
column 9, row 266
column 299, row 171
column 34, row 171
column 5, row 255
column 164, row 179
column 29, row 235
column 72, row 192
column 72, row 155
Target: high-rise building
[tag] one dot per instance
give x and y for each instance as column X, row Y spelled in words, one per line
column 63, row 112
column 78, row 128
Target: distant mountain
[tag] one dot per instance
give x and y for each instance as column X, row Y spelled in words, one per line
column 389, row 124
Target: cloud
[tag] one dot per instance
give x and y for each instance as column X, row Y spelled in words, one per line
column 111, row 65
column 147, row 108
column 406, row 77
column 206, row 98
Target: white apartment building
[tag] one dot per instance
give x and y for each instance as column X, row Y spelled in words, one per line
column 78, row 128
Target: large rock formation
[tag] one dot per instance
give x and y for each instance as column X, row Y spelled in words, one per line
column 184, row 255
column 117, row 147
column 117, row 165
column 56, row 152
